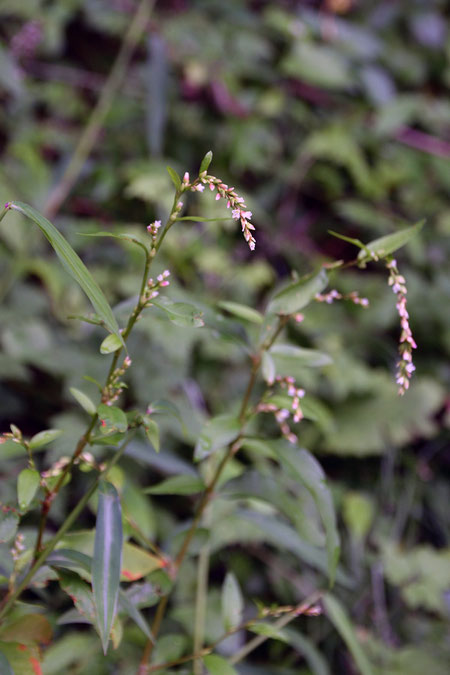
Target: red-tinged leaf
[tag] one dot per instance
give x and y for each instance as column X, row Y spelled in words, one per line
column 106, row 561
column 23, row 659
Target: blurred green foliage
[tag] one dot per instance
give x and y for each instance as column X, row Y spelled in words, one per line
column 327, row 115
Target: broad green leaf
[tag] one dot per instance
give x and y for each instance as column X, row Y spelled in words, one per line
column 177, row 485
column 339, row 618
column 289, row 360
column 83, row 399
column 110, row 344
column 217, row 433
column 176, row 180
column 297, row 295
column 107, row 559
column 5, row 666
column 152, row 432
column 111, row 419
column 181, row 313
column 302, row 466
column 27, row 486
column 269, row 630
column 384, row 246
column 217, row 665
column 232, row 602
column 73, row 264
column 206, row 161
column 241, row 311
column 268, row 368
column 44, row 438
column 9, row 522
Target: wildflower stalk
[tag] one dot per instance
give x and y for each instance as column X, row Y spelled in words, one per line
column 85, row 438
column 231, row 450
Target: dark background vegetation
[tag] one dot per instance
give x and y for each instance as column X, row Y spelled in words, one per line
column 325, row 115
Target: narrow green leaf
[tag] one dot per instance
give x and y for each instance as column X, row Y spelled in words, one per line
column 269, row 631
column 242, row 311
column 297, row 295
column 217, row 665
column 216, row 434
column 339, row 618
column 177, row 485
column 206, row 161
column 44, row 437
column 176, row 180
column 111, row 343
column 384, row 246
column 302, row 466
column 350, row 240
column 125, row 605
column 27, row 486
column 152, row 432
column 123, row 237
column 84, row 400
column 112, row 419
column 232, row 602
column 305, row 646
column 70, row 559
column 73, row 264
column 268, row 368
column 107, row 559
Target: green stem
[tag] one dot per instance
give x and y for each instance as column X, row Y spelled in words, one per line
column 200, row 602
column 138, row 26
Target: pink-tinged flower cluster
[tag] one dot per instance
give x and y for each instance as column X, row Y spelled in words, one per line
column 153, row 230
column 153, row 287
column 333, row 295
column 237, row 205
column 282, row 415
column 111, row 393
column 405, row 366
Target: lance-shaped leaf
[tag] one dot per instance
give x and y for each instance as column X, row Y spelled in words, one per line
column 384, row 246
column 302, row 466
column 206, row 161
column 73, row 264
column 232, row 602
column 241, row 311
column 42, row 438
column 177, row 485
column 84, row 400
column 176, row 180
column 107, row 559
column 297, row 295
column 339, row 618
column 110, row 344
column 27, row 485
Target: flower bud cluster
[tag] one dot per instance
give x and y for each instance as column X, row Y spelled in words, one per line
column 333, row 295
column 405, row 366
column 153, row 287
column 14, row 435
column 234, row 202
column 18, row 547
column 153, row 230
column 58, row 467
column 282, row 415
column 112, row 391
